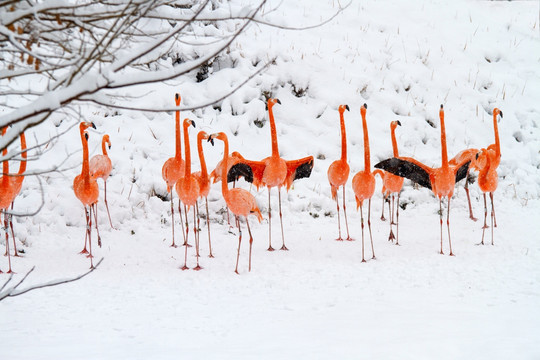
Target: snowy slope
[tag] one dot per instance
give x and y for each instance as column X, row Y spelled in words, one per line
column 403, row 59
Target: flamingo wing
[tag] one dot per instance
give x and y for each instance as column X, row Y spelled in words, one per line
column 252, row 171
column 408, row 168
column 298, row 169
column 462, row 170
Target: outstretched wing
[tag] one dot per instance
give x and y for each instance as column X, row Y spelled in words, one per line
column 252, row 171
column 297, row 169
column 462, row 170
column 408, row 168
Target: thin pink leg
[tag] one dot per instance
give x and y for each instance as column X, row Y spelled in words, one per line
column 349, row 238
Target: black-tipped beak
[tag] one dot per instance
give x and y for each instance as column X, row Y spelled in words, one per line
column 211, row 140
column 278, row 101
column 86, row 136
column 193, row 123
column 109, row 146
column 500, row 113
column 477, row 156
column 347, row 107
column 365, row 106
column 176, row 96
column 441, row 106
column 399, row 123
column 93, row 125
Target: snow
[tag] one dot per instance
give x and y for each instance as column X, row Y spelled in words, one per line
column 316, row 301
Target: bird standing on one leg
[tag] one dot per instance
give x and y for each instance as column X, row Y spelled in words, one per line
column 338, row 173
column 440, row 180
column 101, row 167
column 363, row 184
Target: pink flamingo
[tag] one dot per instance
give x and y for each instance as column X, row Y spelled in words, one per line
column 204, row 183
column 101, row 167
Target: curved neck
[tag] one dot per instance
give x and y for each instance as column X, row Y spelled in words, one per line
column 444, row 151
column 178, row 149
column 103, row 146
column 367, row 161
column 85, row 169
column 22, row 166
column 224, row 185
column 394, row 142
column 496, row 130
column 343, row 137
column 187, row 151
column 204, row 171
column 273, row 132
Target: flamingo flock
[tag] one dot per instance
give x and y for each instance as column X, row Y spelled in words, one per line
column 273, row 172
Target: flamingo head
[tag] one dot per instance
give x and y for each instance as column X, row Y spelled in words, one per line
column 202, row 135
column 220, row 136
column 177, row 99
column 363, row 110
column 188, row 122
column 496, row 112
column 106, row 140
column 394, row 124
column 441, row 113
column 272, row 102
column 86, row 124
column 342, row 108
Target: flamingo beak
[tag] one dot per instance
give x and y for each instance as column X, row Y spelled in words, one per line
column 93, row 125
column 279, row 102
column 86, row 135
column 399, row 123
column 500, row 113
column 193, row 123
column 347, row 107
column 211, row 139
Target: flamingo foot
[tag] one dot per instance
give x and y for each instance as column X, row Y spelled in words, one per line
column 173, row 246
column 452, row 254
column 349, row 238
column 391, row 237
column 188, row 245
column 339, row 239
column 185, row 267
column 236, row 271
column 442, row 253
column 10, row 272
column 198, row 268
column 270, row 248
column 284, row 248
column 83, row 251
column 364, row 260
column 99, row 241
column 211, row 256
column 383, row 218
column 373, row 257
column 473, row 218
column 89, row 256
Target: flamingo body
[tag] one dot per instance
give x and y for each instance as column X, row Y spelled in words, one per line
column 363, row 184
column 338, row 174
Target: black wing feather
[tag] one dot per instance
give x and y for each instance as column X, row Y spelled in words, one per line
column 462, row 171
column 304, row 170
column 240, row 170
column 407, row 170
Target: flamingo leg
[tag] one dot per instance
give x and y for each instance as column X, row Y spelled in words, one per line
column 382, row 209
column 283, row 247
column 466, row 187
column 208, row 226
column 181, row 222
column 107, row 205
column 362, row 223
column 250, row 242
column 397, row 220
column 96, row 218
column 485, row 219
column 493, row 223
column 185, row 267
column 369, row 227
column 345, row 214
column 172, row 220
column 338, row 220
column 16, row 253
column 84, row 251
column 186, row 239
column 448, row 226
column 493, row 210
column 440, row 218
column 239, row 242
column 6, row 229
column 391, row 236
column 270, row 248
column 89, row 232
column 196, row 234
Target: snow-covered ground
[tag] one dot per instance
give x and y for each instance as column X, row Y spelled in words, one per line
column 316, row 301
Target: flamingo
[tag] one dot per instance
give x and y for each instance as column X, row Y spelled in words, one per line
column 338, row 172
column 363, row 184
column 495, row 153
column 17, row 182
column 204, row 183
column 392, row 185
column 101, row 167
column 273, row 171
column 86, row 190
column 487, row 181
column 440, row 180
column 188, row 191
column 239, row 201
column 173, row 169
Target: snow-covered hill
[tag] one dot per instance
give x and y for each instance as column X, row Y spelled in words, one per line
column 317, row 300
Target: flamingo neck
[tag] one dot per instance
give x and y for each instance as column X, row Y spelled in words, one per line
column 5, row 164
column 204, row 171
column 273, row 132
column 394, row 142
column 224, row 185
column 444, row 151
column 178, row 150
column 22, row 166
column 367, row 161
column 496, row 130
column 187, row 151
column 103, row 147
column 85, row 168
column 343, row 137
